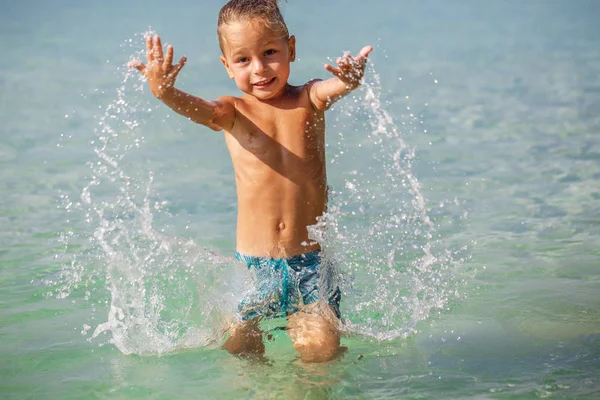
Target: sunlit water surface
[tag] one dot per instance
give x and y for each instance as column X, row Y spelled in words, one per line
column 464, row 218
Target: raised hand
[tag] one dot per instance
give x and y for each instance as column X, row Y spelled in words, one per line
column 350, row 70
column 159, row 71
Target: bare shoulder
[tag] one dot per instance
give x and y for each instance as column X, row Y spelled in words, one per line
column 225, row 112
column 303, row 94
column 310, row 88
column 226, row 101
column 309, row 85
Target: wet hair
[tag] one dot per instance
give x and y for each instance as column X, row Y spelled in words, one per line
column 245, row 10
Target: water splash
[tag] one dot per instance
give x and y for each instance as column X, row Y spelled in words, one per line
column 162, row 293
column 393, row 269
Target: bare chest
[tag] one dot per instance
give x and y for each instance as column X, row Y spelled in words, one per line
column 279, row 138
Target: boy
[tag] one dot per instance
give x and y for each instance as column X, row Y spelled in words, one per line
column 275, row 136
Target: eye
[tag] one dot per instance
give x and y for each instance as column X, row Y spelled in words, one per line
column 242, row 60
column 270, row 52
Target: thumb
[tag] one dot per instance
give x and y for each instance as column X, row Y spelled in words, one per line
column 137, row 65
column 364, row 52
column 180, row 64
column 177, row 68
column 331, row 69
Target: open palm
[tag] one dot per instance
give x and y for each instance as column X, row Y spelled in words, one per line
column 159, row 70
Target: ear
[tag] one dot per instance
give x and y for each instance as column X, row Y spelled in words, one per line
column 292, row 48
column 226, row 65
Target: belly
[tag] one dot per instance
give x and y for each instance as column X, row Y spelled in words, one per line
column 274, row 213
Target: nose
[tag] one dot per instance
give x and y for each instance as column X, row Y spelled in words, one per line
column 258, row 66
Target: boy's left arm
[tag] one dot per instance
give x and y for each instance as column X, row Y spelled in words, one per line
column 347, row 77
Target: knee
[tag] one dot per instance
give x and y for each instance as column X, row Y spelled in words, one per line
column 317, row 346
column 314, row 333
column 244, row 340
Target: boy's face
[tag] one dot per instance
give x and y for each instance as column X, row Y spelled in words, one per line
column 257, row 58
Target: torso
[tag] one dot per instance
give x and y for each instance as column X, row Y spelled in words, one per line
column 278, row 155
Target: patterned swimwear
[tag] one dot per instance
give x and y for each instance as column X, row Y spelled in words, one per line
column 284, row 285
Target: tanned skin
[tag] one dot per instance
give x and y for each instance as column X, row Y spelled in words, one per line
column 275, row 134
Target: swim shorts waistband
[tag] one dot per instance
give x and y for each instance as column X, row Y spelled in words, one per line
column 309, row 257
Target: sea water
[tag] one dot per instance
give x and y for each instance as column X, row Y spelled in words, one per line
column 166, row 292
column 463, row 216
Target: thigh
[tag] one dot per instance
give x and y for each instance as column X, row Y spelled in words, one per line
column 316, row 282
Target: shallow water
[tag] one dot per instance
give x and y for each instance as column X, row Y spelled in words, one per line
column 507, row 158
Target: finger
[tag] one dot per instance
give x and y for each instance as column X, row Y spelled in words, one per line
column 140, row 66
column 347, row 59
column 364, row 53
column 178, row 67
column 149, row 51
column 182, row 62
column 157, row 49
column 330, row 68
column 169, row 56
column 342, row 62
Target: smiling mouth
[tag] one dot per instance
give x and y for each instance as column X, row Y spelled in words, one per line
column 264, row 83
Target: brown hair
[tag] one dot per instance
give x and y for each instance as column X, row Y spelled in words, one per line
column 267, row 10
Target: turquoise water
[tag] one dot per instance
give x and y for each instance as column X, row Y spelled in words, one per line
column 465, row 217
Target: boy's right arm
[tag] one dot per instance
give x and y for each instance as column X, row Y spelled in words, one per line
column 161, row 76
column 217, row 115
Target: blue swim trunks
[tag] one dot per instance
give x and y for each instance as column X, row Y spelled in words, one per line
column 284, row 285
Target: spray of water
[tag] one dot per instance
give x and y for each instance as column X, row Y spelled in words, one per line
column 163, row 293
column 377, row 233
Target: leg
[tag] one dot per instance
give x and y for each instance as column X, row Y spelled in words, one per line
column 245, row 339
column 314, row 333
